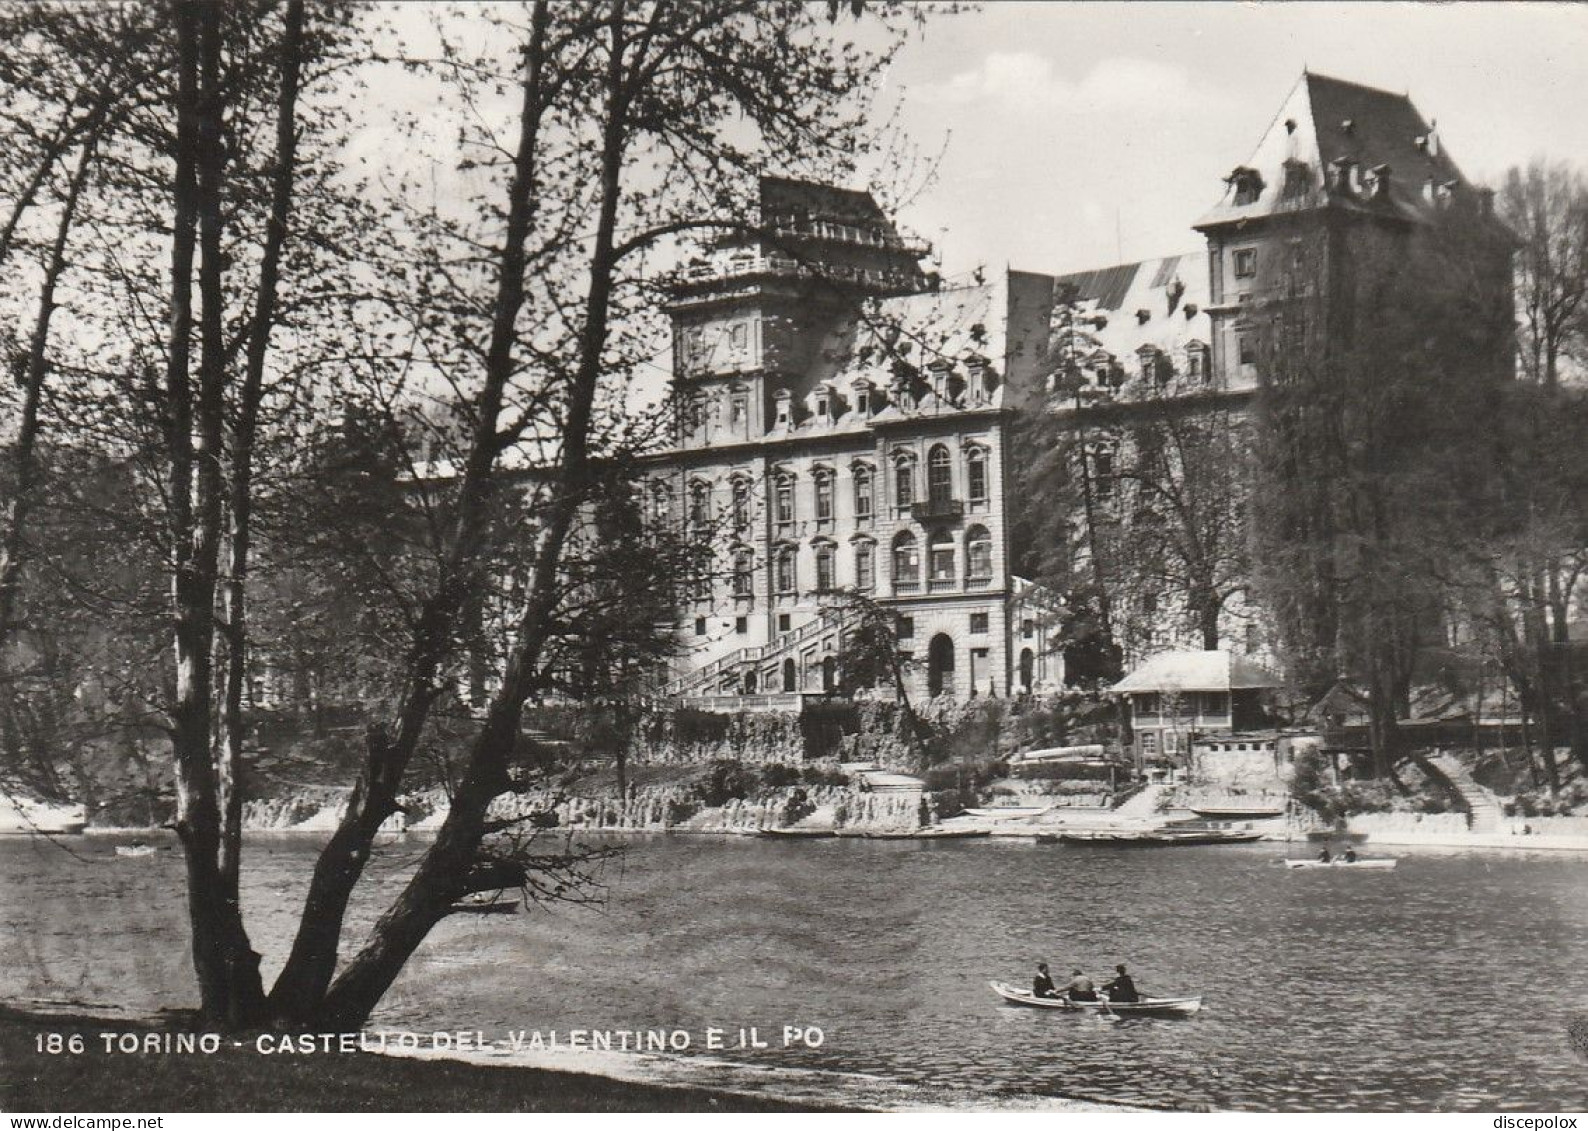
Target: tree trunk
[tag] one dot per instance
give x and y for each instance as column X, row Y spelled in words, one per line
column 24, row 466
column 423, row 902
column 240, row 487
column 300, row 989
column 226, row 965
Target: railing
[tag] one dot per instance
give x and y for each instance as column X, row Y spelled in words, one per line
column 906, row 586
column 777, row 265
column 929, row 509
column 825, row 622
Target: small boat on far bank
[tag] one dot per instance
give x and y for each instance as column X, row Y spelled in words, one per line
column 800, row 834
column 1146, row 1007
column 139, row 849
column 930, row 834
column 1150, row 837
column 495, row 905
column 1366, row 864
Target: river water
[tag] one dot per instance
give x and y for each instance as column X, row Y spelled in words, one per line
column 1446, row 984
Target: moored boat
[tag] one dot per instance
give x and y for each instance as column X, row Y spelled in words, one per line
column 496, row 905
column 800, row 834
column 931, row 834
column 1146, row 1007
column 135, row 850
column 1237, row 812
column 1373, row 863
column 1153, row 837
column 1007, row 812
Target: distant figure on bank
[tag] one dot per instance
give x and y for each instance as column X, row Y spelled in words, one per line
column 1350, row 855
column 1042, row 985
column 1080, row 987
column 1121, row 988
column 1324, row 856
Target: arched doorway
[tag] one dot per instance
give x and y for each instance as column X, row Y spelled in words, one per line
column 1027, row 665
column 749, row 682
column 940, row 665
column 829, row 674
column 790, row 675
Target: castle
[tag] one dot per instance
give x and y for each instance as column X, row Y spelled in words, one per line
column 845, row 418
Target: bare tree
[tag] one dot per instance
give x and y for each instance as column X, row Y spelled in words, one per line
column 1546, row 205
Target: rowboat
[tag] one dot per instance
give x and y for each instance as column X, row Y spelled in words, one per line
column 1007, row 812
column 931, row 834
column 496, row 906
column 1155, row 837
column 1237, row 812
column 1377, row 863
column 800, row 834
column 135, row 850
column 1146, row 1007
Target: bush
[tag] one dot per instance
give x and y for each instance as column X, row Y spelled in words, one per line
column 725, row 781
column 820, row 775
column 679, row 810
column 779, row 775
column 796, row 808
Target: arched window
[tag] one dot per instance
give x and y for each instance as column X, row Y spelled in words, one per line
column 976, row 475
column 865, row 565
column 942, row 560
column 699, row 506
column 939, row 475
column 906, row 563
column 787, row 578
column 790, row 675
column 863, row 495
column 741, row 502
column 784, row 507
column 744, row 573
column 903, row 481
column 826, row 561
column 978, row 557
column 661, row 503
column 823, row 479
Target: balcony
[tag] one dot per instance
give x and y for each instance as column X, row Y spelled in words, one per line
column 938, row 510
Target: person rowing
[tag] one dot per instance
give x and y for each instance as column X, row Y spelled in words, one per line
column 1324, row 856
column 1042, row 985
column 1121, row 989
column 1350, row 855
column 1080, row 988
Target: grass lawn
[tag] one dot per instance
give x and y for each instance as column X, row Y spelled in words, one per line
column 236, row 1079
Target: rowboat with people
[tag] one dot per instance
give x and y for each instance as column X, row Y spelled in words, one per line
column 1146, row 1007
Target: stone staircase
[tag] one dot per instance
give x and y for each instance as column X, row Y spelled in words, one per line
column 1484, row 812
column 1142, row 806
column 709, row 680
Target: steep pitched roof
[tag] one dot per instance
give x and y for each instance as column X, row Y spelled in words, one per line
column 1195, row 671
column 1325, row 120
column 1171, row 292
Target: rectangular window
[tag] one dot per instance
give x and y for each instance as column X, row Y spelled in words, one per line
column 978, row 624
column 782, row 622
column 739, row 408
column 906, row 629
column 740, row 336
column 824, row 498
column 741, row 625
column 1246, row 349
column 1246, row 263
column 700, row 626
column 862, row 493
column 865, row 576
column 1028, row 628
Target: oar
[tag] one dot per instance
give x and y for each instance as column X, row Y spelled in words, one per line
column 1108, row 1012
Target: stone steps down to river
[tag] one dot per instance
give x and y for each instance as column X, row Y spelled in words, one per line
column 1484, row 811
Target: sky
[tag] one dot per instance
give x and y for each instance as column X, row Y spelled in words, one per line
column 1075, row 135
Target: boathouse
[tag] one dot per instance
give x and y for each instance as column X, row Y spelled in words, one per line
column 1176, row 698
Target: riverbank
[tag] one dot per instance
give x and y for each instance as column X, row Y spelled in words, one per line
column 240, row 1079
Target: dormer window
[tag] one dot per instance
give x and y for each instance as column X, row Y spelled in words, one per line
column 863, row 402
column 784, row 408
column 1248, row 185
column 1343, row 180
column 1379, row 182
column 821, row 406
